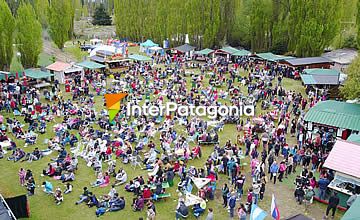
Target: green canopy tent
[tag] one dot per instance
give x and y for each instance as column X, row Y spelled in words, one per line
column 353, row 212
column 37, row 74
column 91, row 65
column 139, row 57
column 204, row 52
column 242, row 53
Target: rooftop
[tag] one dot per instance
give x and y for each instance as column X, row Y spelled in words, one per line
column 308, row 61
column 58, row 66
column 344, row 158
column 341, row 56
column 336, row 114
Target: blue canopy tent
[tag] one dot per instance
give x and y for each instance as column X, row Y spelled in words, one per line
column 147, row 44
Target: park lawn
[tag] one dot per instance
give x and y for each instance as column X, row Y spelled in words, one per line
column 43, row 207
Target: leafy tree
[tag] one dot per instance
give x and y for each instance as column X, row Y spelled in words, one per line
column 311, row 29
column 13, row 5
column 40, row 7
column 101, row 16
column 358, row 23
column 29, row 42
column 351, row 89
column 7, row 27
column 59, row 18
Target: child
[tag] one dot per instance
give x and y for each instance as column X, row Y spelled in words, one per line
column 58, row 196
column 22, row 175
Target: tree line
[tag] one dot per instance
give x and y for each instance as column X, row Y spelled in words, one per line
column 303, row 28
column 22, row 23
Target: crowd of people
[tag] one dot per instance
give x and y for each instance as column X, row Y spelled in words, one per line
column 166, row 144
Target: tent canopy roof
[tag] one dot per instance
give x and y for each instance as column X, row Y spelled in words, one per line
column 272, row 57
column 37, row 74
column 139, row 57
column 149, row 43
column 205, row 51
column 241, row 53
column 335, row 113
column 90, row 65
column 229, row 50
column 58, row 66
column 344, row 158
column 184, row 48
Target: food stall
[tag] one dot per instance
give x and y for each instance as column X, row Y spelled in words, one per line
column 37, row 78
column 343, row 159
column 65, row 71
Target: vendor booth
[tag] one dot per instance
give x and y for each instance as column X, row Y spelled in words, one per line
column 159, row 51
column 344, row 160
column 89, row 65
column 64, row 71
column 146, row 45
column 185, row 49
column 37, row 78
column 203, row 55
column 341, row 119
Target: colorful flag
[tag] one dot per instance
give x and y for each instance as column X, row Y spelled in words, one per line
column 275, row 214
column 257, row 213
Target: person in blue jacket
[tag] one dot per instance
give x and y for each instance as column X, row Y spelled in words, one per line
column 274, row 169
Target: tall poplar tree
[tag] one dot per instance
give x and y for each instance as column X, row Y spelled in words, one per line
column 7, row 27
column 59, row 18
column 29, row 42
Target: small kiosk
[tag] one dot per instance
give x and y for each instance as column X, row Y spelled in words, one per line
column 344, row 160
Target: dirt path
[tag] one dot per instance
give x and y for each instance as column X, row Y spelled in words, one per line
column 286, row 202
column 50, row 49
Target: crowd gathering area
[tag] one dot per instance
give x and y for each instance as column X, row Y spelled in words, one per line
column 59, row 148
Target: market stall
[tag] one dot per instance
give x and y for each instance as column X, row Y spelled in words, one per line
column 339, row 118
column 37, row 78
column 64, row 71
column 146, row 45
column 344, row 160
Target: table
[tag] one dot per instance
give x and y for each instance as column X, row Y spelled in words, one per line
column 165, row 185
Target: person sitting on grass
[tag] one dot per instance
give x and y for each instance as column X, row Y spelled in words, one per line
column 68, row 189
column 116, row 203
column 84, row 196
column 138, row 204
column 67, row 177
column 93, row 201
column 58, row 196
column 121, row 177
column 35, row 155
column 48, row 187
column 182, row 210
column 99, row 180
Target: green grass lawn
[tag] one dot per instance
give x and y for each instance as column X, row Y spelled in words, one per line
column 43, row 207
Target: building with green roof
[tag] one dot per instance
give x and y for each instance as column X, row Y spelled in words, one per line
column 353, row 213
column 319, row 76
column 341, row 117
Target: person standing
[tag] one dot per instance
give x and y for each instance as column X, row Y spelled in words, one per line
column 274, row 169
column 232, row 204
column 333, row 203
column 351, row 200
column 225, row 192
